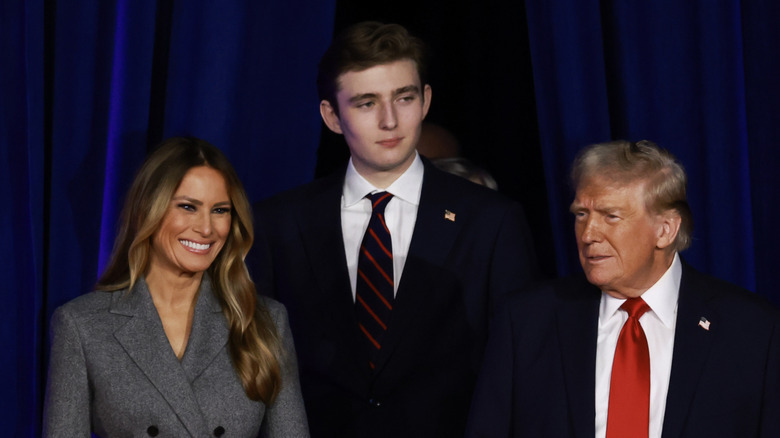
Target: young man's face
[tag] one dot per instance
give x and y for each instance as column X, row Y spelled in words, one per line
column 381, row 110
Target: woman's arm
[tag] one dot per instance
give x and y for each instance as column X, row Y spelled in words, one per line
column 67, row 408
column 287, row 416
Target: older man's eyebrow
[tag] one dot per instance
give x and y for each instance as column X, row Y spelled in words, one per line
column 575, row 207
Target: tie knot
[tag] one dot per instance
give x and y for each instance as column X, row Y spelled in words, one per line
column 636, row 307
column 379, row 201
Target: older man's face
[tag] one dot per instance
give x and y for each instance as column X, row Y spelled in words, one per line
column 617, row 237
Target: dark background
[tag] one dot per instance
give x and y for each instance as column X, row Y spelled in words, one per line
column 87, row 88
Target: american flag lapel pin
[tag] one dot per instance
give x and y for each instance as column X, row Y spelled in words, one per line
column 704, row 323
column 450, row 216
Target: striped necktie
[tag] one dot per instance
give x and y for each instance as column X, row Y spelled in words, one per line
column 374, row 294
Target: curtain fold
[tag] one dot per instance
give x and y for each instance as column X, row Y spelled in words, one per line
column 568, row 60
column 761, row 43
column 21, row 223
column 81, row 94
column 670, row 72
column 86, row 88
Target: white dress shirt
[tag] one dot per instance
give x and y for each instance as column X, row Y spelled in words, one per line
column 658, row 324
column 400, row 216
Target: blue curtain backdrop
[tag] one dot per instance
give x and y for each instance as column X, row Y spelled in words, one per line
column 697, row 77
column 87, row 87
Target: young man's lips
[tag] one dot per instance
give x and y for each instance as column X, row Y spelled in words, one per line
column 390, row 141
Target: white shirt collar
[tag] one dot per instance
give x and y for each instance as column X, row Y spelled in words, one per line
column 661, row 297
column 407, row 187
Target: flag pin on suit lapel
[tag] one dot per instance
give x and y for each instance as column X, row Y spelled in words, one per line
column 450, row 216
column 704, row 323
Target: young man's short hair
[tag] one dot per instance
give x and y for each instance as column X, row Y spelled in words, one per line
column 365, row 45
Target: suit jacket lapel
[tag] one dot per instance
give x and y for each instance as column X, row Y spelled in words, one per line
column 577, row 321
column 691, row 351
column 432, row 241
column 320, row 228
column 144, row 340
column 209, row 333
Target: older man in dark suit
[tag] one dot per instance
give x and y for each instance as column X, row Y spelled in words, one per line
column 646, row 346
column 389, row 268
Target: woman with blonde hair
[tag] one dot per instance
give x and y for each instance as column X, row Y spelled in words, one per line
column 175, row 341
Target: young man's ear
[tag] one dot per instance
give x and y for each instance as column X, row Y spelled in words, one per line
column 426, row 99
column 330, row 117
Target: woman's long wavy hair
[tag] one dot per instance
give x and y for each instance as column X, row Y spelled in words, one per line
column 255, row 347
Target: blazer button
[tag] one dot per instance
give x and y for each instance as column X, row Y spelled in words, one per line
column 152, row 431
column 219, row 431
column 375, row 403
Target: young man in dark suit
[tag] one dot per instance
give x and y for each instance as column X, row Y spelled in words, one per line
column 647, row 346
column 389, row 268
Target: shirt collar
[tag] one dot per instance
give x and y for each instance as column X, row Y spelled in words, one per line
column 407, row 187
column 661, row 297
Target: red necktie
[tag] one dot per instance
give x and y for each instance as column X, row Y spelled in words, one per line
column 374, row 288
column 629, row 388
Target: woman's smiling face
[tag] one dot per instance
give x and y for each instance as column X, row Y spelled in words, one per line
column 196, row 225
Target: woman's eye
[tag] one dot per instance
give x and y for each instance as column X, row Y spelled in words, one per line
column 188, row 207
column 222, row 210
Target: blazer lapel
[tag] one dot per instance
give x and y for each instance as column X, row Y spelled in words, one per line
column 332, row 304
column 209, row 333
column 432, row 240
column 577, row 321
column 144, row 340
column 691, row 351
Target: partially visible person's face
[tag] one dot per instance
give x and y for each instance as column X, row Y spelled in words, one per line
column 617, row 238
column 195, row 226
column 381, row 110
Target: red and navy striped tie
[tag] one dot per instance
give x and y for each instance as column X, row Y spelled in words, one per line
column 374, row 289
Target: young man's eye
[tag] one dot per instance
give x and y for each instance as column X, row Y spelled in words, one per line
column 408, row 98
column 365, row 105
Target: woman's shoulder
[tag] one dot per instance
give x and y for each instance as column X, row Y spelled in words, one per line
column 95, row 301
column 275, row 308
column 90, row 313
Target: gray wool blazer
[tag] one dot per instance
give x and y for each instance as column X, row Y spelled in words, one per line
column 113, row 372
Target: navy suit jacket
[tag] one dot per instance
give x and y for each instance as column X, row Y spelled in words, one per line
column 431, row 353
column 539, row 372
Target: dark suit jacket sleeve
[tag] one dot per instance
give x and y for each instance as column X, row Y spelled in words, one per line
column 67, row 407
column 513, row 260
column 259, row 260
column 770, row 413
column 286, row 417
column 491, row 407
